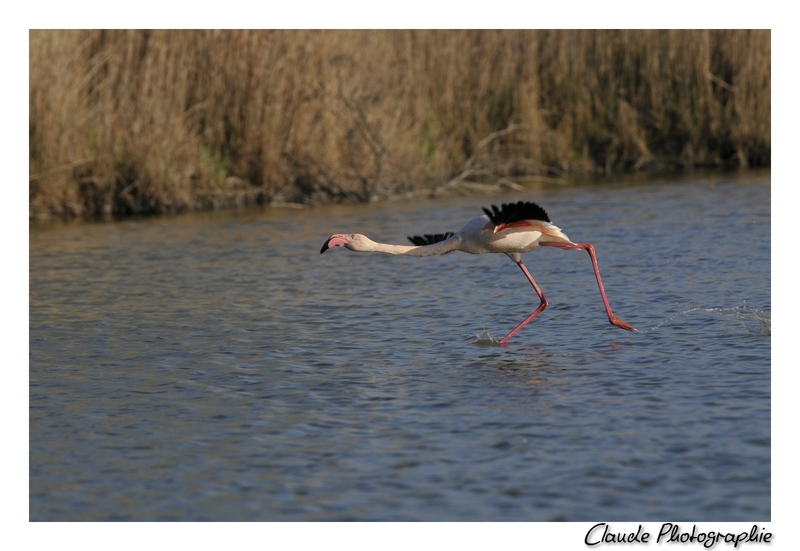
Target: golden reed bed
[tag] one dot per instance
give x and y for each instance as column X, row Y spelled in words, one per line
column 126, row 122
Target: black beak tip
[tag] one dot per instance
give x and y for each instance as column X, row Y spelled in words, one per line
column 324, row 247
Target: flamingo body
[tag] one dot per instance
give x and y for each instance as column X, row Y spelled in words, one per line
column 513, row 229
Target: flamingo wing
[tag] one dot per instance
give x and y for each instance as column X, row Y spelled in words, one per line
column 430, row 239
column 508, row 213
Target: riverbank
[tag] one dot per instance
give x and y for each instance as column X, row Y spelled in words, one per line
column 145, row 122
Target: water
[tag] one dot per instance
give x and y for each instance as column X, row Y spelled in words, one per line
column 217, row 367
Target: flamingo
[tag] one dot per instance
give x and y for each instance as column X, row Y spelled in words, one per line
column 513, row 229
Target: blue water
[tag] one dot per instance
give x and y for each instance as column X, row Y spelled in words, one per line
column 217, row 367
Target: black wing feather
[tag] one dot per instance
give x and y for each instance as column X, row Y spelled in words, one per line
column 509, row 213
column 430, row 239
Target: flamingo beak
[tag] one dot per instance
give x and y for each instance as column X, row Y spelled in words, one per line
column 336, row 240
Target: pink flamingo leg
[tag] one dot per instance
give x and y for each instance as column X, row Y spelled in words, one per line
column 588, row 247
column 538, row 311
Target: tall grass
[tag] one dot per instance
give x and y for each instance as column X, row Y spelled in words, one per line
column 128, row 122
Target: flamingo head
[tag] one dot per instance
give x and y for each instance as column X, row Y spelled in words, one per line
column 352, row 241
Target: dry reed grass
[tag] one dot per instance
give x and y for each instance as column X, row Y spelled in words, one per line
column 125, row 122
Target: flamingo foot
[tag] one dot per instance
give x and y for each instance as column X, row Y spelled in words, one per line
column 621, row 324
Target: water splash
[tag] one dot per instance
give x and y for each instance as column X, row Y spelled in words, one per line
column 483, row 338
column 753, row 320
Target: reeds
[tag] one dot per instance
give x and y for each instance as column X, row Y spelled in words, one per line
column 125, row 122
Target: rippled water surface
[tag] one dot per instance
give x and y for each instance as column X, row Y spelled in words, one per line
column 217, row 367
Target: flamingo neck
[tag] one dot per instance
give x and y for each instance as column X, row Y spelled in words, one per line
column 390, row 249
column 411, row 250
